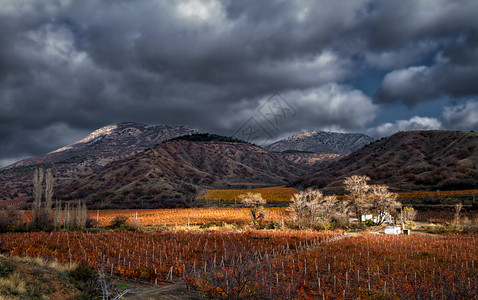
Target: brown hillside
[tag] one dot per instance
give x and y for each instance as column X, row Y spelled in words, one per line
column 105, row 145
column 412, row 160
column 176, row 172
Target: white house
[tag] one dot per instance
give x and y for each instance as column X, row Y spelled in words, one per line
column 383, row 217
column 367, row 217
column 393, row 230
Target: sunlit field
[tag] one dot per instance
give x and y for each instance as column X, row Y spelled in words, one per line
column 281, row 264
column 183, row 217
column 270, row 194
column 221, row 254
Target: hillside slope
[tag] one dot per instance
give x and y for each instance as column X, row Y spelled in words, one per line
column 103, row 146
column 413, row 160
column 308, row 160
column 33, row 278
column 322, row 142
column 176, row 172
column 109, row 143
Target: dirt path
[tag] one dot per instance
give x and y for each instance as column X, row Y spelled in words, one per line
column 177, row 291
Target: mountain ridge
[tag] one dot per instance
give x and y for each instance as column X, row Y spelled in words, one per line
column 103, row 146
column 130, row 137
column 176, row 171
column 120, row 164
column 408, row 161
column 322, row 142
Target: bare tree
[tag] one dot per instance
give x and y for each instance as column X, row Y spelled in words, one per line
column 71, row 216
column 383, row 202
column 358, row 188
column 48, row 190
column 66, row 216
column 342, row 212
column 47, row 212
column 304, row 206
column 409, row 214
column 255, row 203
column 329, row 207
column 42, row 211
column 108, row 290
column 83, row 215
column 37, row 197
column 58, row 215
column 458, row 208
column 312, row 208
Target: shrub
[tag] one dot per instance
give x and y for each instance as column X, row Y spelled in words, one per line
column 322, row 226
column 210, row 224
column 340, row 222
column 240, row 278
column 91, row 223
column 6, row 268
column 272, row 225
column 83, row 273
column 470, row 226
column 370, row 223
column 85, row 278
column 11, row 221
column 119, row 222
column 411, row 224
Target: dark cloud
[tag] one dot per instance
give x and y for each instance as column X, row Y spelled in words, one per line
column 69, row 67
column 21, row 142
column 453, row 73
column 461, row 117
column 414, row 123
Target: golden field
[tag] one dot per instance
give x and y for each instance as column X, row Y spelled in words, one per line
column 180, row 217
column 270, row 194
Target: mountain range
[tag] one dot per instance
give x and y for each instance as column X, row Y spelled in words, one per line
column 186, row 166
column 136, row 165
column 322, row 142
column 176, row 172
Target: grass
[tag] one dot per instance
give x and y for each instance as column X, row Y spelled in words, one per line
column 36, row 278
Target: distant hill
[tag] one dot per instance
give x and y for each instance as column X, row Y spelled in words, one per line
column 412, row 160
column 177, row 171
column 110, row 143
column 206, row 137
column 322, row 142
column 310, row 160
column 103, row 146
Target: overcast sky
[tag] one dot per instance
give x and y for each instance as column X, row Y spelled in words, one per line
column 377, row 67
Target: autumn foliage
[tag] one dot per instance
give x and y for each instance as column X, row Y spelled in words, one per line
column 273, row 264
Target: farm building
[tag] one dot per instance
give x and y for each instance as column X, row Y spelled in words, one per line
column 392, row 230
column 384, row 217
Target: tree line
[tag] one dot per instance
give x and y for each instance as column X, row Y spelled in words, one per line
column 312, row 209
column 45, row 215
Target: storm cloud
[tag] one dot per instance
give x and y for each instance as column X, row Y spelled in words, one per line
column 68, row 67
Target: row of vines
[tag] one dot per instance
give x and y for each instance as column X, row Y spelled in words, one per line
column 273, row 264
